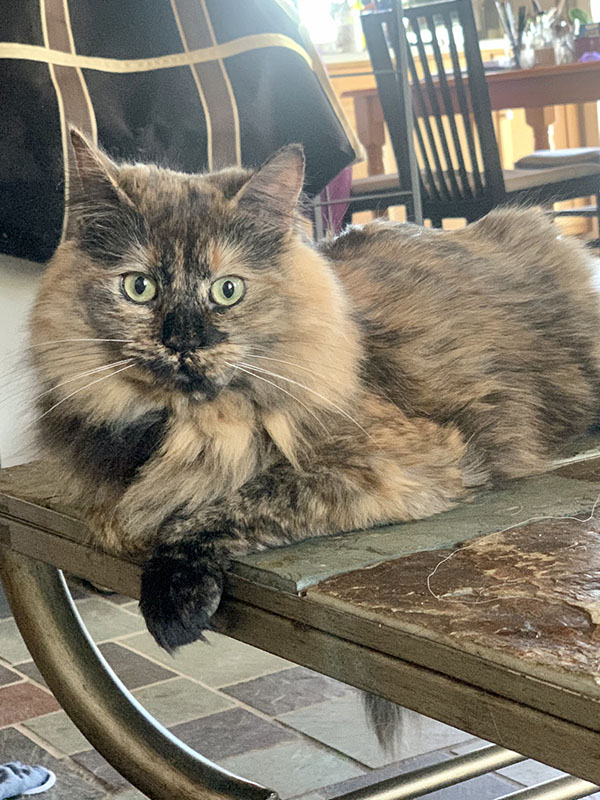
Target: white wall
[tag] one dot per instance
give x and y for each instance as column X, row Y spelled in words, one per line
column 19, row 281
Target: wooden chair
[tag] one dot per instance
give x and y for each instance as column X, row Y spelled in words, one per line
column 459, row 163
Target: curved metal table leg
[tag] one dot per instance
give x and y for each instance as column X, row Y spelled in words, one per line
column 140, row 748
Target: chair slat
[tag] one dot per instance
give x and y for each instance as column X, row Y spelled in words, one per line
column 482, row 108
column 439, row 187
column 449, row 106
column 446, row 177
column 461, row 94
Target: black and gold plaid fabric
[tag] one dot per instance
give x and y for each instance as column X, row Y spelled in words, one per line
column 191, row 84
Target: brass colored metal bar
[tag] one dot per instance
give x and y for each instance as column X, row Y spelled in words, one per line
column 429, row 779
column 567, row 788
column 141, row 749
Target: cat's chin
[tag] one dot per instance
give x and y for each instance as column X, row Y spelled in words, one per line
column 198, row 386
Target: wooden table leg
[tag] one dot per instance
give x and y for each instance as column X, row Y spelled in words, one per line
column 141, row 749
column 540, row 120
column 370, row 128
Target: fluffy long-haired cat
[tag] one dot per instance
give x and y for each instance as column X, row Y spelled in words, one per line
column 216, row 383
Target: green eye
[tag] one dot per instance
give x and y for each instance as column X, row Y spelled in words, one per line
column 227, row 291
column 138, row 287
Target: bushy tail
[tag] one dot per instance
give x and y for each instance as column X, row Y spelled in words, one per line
column 385, row 720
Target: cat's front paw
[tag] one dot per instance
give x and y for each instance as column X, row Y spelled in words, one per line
column 181, row 590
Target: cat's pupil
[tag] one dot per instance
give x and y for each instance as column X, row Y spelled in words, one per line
column 140, row 284
column 228, row 289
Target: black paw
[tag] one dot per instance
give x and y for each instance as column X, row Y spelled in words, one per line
column 181, row 590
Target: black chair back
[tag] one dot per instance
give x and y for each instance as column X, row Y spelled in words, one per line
column 457, row 152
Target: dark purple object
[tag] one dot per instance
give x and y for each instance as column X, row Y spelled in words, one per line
column 332, row 209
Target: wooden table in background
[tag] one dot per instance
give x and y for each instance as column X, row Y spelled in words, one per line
column 536, row 90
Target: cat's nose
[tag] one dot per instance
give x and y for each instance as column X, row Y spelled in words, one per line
column 184, row 331
column 181, row 333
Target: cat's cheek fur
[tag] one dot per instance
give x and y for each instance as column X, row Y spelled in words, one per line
column 181, row 589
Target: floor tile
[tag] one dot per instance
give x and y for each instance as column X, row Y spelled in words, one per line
column 21, row 701
column 288, row 690
column 382, row 774
column 77, row 587
column 218, row 662
column 5, row 611
column 69, row 785
column 292, row 768
column 12, row 646
column 8, row 676
column 230, row 733
column 486, row 787
column 129, row 794
column 30, row 669
column 107, row 621
column 58, row 730
column 342, row 724
column 469, row 747
column 101, row 769
column 528, row 773
column 134, row 670
column 180, row 700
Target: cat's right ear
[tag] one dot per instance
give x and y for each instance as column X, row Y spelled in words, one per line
column 274, row 190
column 96, row 172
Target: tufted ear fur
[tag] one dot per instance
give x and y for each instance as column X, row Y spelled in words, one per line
column 105, row 221
column 97, row 173
column 273, row 191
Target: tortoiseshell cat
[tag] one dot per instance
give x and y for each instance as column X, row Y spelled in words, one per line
column 216, row 383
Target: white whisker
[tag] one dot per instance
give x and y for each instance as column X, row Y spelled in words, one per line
column 61, row 341
column 281, row 389
column 84, row 375
column 14, row 395
column 87, row 386
column 312, row 391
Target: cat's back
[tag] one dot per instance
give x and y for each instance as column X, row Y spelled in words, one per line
column 509, row 249
column 502, row 306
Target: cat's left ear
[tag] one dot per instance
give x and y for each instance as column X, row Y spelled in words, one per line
column 97, row 174
column 273, row 191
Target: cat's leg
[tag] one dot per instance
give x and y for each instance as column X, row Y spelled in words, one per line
column 414, row 470
column 505, row 437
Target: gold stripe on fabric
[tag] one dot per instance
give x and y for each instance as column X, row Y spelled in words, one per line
column 194, row 71
column 71, row 92
column 210, row 76
column 92, row 113
column 230, row 92
column 61, row 113
column 244, row 44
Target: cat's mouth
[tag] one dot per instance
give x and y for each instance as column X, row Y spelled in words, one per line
column 189, row 381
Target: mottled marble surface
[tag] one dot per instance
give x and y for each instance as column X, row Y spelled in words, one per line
column 308, row 563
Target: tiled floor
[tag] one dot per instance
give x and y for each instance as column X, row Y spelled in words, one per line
column 255, row 714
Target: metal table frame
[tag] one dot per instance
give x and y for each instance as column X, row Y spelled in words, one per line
column 291, row 626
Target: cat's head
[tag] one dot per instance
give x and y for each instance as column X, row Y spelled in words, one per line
column 188, row 284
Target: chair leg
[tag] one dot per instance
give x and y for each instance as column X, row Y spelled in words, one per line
column 140, row 748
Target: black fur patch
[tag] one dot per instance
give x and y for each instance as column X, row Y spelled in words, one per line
column 186, row 329
column 181, row 590
column 111, row 453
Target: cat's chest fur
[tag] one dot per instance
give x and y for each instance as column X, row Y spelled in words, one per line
column 111, row 451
